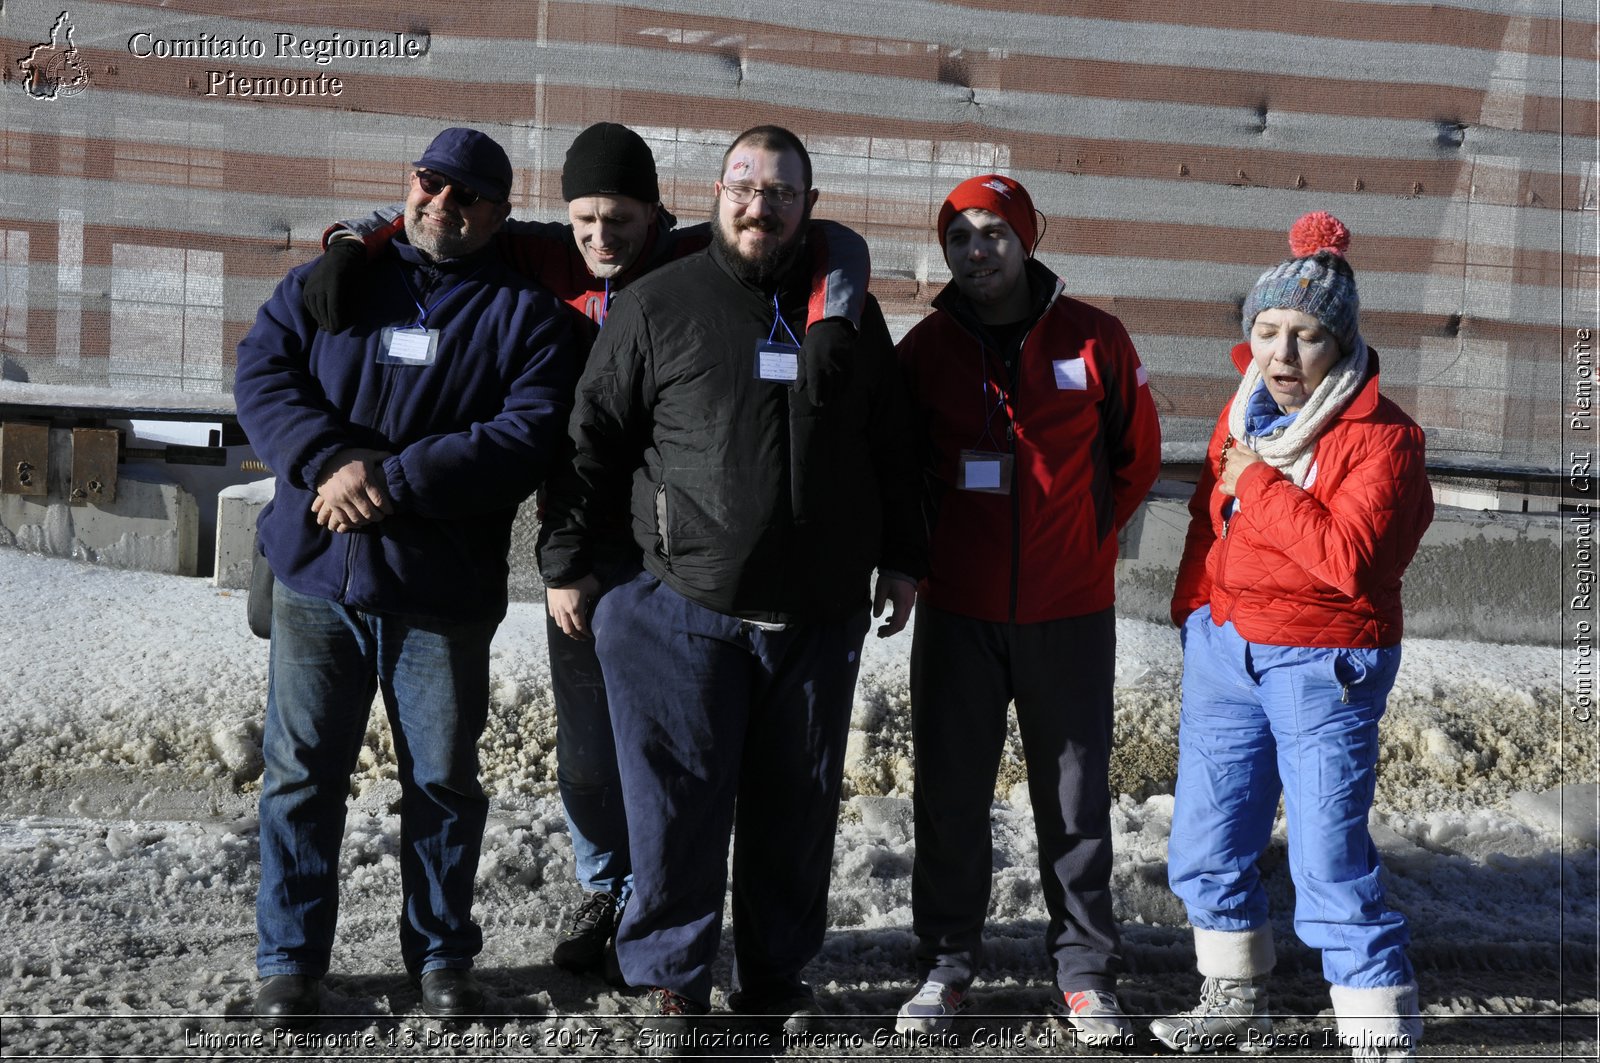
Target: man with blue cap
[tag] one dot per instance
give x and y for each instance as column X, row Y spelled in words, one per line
column 402, row 448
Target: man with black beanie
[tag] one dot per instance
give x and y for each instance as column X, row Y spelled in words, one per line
column 731, row 658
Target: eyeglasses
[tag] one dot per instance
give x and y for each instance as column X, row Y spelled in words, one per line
column 775, row 197
column 433, row 184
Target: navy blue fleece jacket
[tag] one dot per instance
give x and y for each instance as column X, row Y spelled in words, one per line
column 472, row 434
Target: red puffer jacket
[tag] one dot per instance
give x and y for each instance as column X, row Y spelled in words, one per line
column 1319, row 565
column 1077, row 419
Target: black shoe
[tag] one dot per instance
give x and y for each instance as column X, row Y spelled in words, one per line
column 583, row 950
column 288, row 1002
column 794, row 1007
column 668, row 1029
column 451, row 993
column 611, row 969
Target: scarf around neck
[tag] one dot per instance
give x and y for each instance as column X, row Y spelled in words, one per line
column 1290, row 450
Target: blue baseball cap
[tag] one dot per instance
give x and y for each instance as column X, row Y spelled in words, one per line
column 470, row 158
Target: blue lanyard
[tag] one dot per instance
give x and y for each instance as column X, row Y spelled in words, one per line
column 777, row 319
column 605, row 305
column 424, row 311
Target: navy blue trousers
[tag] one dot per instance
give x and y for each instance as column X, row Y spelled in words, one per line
column 723, row 728
column 964, row 673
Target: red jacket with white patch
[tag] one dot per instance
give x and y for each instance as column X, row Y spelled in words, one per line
column 1082, row 428
column 1318, row 565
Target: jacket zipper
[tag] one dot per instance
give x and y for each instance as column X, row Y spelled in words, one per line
column 1016, row 519
column 349, row 569
column 1016, row 490
column 1222, row 554
column 385, row 392
column 662, row 523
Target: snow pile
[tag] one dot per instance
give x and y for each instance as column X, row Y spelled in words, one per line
column 130, row 758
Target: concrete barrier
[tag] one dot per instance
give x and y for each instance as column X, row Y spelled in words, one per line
column 153, row 524
column 238, row 507
column 525, row 585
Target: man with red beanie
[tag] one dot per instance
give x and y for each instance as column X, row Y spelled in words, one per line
column 1031, row 474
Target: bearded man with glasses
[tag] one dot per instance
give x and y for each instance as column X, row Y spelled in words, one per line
column 402, row 447
column 731, row 659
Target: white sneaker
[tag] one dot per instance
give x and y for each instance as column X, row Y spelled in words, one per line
column 1098, row 1018
column 931, row 1009
column 1232, row 1014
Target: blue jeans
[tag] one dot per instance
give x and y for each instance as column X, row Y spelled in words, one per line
column 327, row 662
column 1262, row 720
column 586, row 765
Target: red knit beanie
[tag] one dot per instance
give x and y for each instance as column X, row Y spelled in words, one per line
column 997, row 195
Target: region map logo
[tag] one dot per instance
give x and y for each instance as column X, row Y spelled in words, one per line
column 54, row 69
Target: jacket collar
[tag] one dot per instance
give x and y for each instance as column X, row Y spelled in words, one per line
column 1044, row 288
column 1365, row 401
column 466, row 264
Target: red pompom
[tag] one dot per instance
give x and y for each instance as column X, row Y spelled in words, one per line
column 1318, row 231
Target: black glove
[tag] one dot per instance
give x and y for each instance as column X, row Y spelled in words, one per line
column 826, row 357
column 336, row 285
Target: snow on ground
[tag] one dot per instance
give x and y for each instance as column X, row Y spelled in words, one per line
column 130, row 720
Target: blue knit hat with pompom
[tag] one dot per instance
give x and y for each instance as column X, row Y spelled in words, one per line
column 1317, row 281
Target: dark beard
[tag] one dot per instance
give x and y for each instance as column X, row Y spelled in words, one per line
column 764, row 270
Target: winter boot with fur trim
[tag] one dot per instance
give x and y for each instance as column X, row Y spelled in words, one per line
column 1378, row 1023
column 1233, row 1002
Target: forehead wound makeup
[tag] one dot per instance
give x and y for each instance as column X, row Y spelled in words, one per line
column 739, row 167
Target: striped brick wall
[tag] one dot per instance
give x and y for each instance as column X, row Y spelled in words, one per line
column 149, row 208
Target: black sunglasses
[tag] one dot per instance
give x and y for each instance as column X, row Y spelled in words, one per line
column 433, row 184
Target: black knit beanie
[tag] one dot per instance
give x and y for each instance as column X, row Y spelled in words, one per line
column 609, row 159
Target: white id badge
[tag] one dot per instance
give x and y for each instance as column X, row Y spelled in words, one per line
column 777, row 361
column 409, row 346
column 1071, row 374
column 984, row 470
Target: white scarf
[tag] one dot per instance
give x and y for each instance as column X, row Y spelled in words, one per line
column 1290, row 451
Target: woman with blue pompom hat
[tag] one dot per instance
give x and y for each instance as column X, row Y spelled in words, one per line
column 1313, row 499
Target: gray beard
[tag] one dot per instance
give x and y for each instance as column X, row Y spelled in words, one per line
column 437, row 249
column 764, row 270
